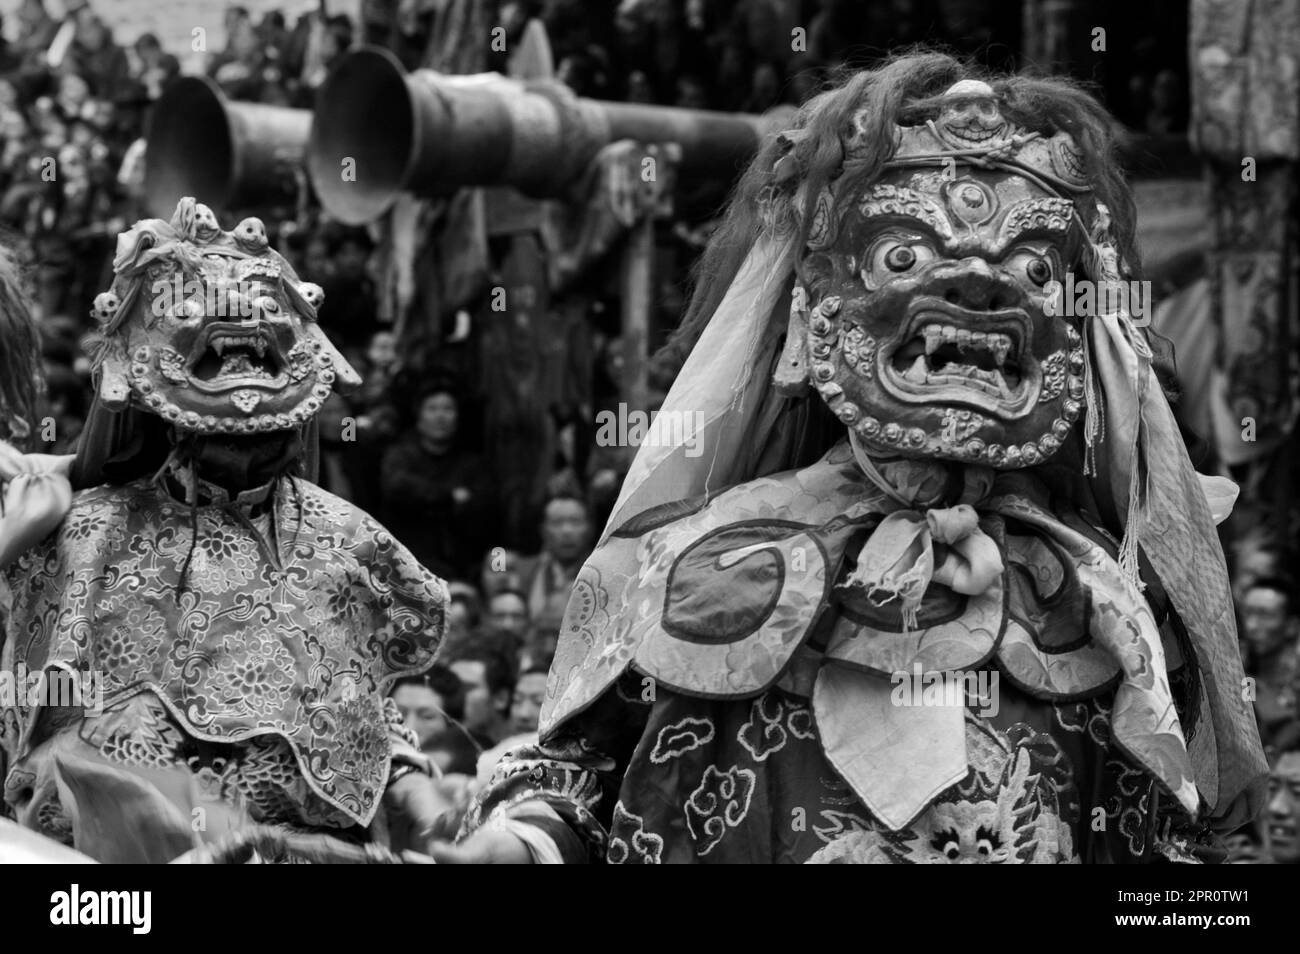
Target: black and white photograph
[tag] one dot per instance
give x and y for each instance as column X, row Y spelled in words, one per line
column 650, row 432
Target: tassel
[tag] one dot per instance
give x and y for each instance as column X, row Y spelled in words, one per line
column 1139, row 476
column 1094, row 427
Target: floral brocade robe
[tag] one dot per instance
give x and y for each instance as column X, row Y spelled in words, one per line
column 719, row 696
column 249, row 641
column 697, row 781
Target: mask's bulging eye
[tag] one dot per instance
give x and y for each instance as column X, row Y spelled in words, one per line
column 1031, row 267
column 894, row 256
column 900, row 258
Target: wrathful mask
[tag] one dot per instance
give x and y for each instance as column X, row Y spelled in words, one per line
column 926, row 312
column 212, row 330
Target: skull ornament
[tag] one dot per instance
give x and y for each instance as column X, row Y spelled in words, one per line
column 206, row 227
column 218, row 335
column 105, row 307
column 251, row 234
column 973, row 117
column 312, row 294
column 925, row 309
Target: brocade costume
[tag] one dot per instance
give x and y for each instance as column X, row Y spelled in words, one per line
column 989, row 624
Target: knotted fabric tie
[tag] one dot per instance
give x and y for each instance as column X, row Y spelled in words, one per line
column 911, row 548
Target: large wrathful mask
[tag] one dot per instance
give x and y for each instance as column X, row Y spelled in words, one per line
column 212, row 330
column 929, row 292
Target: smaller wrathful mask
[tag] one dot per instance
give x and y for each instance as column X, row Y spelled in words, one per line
column 212, row 330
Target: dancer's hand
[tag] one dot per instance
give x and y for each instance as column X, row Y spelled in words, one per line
column 33, row 506
column 484, row 847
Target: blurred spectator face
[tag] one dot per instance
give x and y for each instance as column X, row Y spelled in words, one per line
column 233, row 16
column 316, row 259
column 542, row 643
column 244, row 41
column 1264, row 618
column 766, row 84
column 614, row 360
column 350, row 260
column 55, row 135
column 72, row 170
column 421, row 707
column 690, row 94
column 436, row 421
column 8, row 95
column 458, row 619
column 695, row 14
column 480, row 708
column 1283, row 814
column 1164, row 92
column 91, row 31
column 383, row 349
column 513, row 17
column 508, row 614
column 1242, row 850
column 566, row 531
column 526, row 705
column 148, row 49
column 100, row 113
column 43, row 109
column 12, row 125
column 73, row 93
column 638, row 88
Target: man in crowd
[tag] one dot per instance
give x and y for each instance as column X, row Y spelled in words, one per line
column 1282, row 817
column 488, row 687
column 546, row 579
column 1274, row 661
column 426, row 702
column 507, row 623
column 436, row 495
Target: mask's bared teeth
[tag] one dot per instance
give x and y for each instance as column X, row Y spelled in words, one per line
column 963, row 339
column 260, row 347
column 219, row 346
column 949, row 333
column 916, row 373
column 933, row 338
column 1004, row 349
column 1003, row 389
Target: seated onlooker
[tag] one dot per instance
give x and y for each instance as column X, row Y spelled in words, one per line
column 1282, row 817
column 426, row 702
column 463, row 615
column 433, row 706
column 546, row 579
column 488, row 688
column 1269, row 634
column 525, row 708
column 436, row 495
column 539, row 648
column 506, row 623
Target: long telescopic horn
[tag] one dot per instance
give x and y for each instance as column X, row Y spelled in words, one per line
column 378, row 131
column 230, row 154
